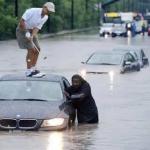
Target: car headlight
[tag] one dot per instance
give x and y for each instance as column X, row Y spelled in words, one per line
column 83, row 73
column 53, row 122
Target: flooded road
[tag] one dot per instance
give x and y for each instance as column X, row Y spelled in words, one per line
column 123, row 105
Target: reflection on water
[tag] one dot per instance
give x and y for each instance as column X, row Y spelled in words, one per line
column 123, row 101
column 129, row 40
column 55, row 141
column 111, row 78
column 80, row 137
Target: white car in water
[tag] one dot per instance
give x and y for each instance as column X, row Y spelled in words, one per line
column 106, row 28
column 119, row 30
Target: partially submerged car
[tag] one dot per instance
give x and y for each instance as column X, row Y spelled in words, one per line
column 137, row 51
column 109, row 62
column 118, row 30
column 33, row 103
column 106, row 28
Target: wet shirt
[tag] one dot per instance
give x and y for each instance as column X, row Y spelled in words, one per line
column 33, row 18
column 86, row 106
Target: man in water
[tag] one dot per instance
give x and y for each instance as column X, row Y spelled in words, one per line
column 82, row 101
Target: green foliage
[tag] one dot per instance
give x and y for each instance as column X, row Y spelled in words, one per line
column 7, row 27
column 85, row 15
column 1, row 5
column 23, row 5
column 8, row 21
column 56, row 22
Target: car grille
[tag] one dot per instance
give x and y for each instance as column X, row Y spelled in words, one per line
column 8, row 123
column 18, row 123
column 27, row 123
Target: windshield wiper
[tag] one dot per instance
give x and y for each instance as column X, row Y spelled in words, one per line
column 31, row 99
column 27, row 99
column 101, row 64
column 2, row 99
column 105, row 64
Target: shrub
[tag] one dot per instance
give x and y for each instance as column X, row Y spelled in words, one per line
column 7, row 27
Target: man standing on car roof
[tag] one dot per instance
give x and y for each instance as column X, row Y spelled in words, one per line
column 31, row 22
column 79, row 93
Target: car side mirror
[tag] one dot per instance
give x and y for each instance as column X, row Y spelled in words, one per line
column 82, row 62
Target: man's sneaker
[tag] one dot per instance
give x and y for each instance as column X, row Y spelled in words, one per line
column 29, row 74
column 36, row 71
column 36, row 74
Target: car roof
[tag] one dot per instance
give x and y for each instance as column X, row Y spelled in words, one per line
column 130, row 48
column 109, row 52
column 19, row 76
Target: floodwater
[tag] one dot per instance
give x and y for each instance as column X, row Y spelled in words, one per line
column 123, row 104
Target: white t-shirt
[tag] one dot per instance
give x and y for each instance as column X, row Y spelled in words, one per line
column 33, row 18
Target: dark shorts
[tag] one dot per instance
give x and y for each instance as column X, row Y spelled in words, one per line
column 23, row 42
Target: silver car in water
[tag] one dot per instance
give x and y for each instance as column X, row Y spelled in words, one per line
column 28, row 103
column 137, row 51
column 109, row 62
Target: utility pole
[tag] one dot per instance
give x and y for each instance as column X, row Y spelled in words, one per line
column 99, row 12
column 72, row 14
column 16, row 8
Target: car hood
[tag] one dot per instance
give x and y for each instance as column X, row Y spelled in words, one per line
column 29, row 109
column 105, row 28
column 101, row 69
column 118, row 29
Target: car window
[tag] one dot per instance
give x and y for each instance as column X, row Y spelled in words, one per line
column 112, row 58
column 129, row 57
column 136, row 56
column 142, row 53
column 44, row 90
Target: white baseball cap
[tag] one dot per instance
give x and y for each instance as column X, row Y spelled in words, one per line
column 50, row 6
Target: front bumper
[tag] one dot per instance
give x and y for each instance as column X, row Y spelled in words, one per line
column 30, row 124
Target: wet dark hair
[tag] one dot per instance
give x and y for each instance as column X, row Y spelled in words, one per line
column 77, row 76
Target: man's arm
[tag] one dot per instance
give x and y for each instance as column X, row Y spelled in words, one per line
column 84, row 92
column 22, row 25
column 77, row 96
column 35, row 32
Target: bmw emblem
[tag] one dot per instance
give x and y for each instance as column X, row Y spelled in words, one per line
column 18, row 116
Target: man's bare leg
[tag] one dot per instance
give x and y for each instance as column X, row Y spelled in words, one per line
column 30, row 58
column 35, row 58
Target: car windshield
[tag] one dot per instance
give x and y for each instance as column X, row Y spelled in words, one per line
column 30, row 90
column 105, row 59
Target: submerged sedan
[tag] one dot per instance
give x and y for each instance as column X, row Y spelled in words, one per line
column 119, row 31
column 137, row 51
column 109, row 63
column 33, row 103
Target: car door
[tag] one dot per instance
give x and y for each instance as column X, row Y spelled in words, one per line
column 130, row 63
